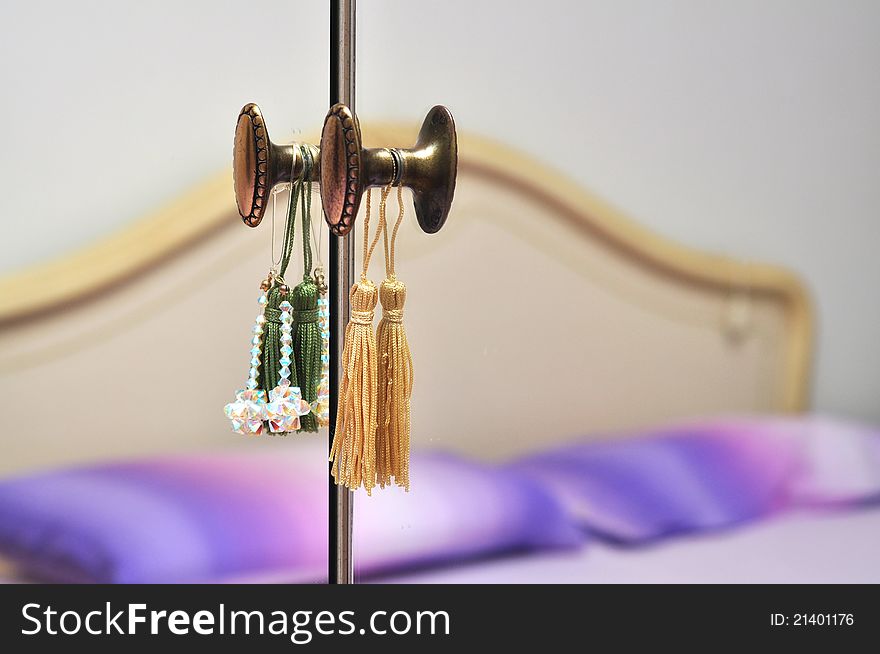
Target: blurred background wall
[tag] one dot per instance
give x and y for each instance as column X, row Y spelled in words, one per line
column 748, row 128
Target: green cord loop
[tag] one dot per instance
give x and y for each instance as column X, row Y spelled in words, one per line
column 306, row 371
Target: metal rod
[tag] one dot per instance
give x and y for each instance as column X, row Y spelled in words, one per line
column 342, row 71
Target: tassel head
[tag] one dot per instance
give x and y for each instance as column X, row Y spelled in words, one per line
column 392, row 294
column 363, row 297
column 307, row 345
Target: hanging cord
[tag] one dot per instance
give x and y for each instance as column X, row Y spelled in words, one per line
column 380, row 229
column 278, row 293
column 304, row 298
column 317, row 245
column 353, row 453
column 306, row 190
column 395, row 366
column 389, row 252
column 290, row 198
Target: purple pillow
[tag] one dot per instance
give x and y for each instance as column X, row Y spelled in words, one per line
column 260, row 515
column 709, row 475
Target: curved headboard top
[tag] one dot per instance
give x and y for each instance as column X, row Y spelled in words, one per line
column 539, row 313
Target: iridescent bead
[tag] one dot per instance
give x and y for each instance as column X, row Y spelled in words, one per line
column 286, row 350
column 285, row 306
column 321, row 406
column 247, row 412
column 284, row 408
column 284, row 361
column 263, row 300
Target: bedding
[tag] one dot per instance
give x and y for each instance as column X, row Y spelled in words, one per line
column 258, row 514
column 804, row 546
column 255, row 516
column 709, row 474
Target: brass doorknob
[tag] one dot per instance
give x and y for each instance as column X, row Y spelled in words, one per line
column 347, row 169
column 258, row 164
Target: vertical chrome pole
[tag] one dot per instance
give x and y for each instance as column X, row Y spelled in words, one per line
column 342, row 67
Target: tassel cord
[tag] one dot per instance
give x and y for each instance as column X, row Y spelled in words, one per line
column 307, row 333
column 353, row 453
column 395, row 367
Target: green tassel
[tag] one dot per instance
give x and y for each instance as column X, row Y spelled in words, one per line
column 306, row 371
column 304, row 298
column 271, row 360
column 307, row 345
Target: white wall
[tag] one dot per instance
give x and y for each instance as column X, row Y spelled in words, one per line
column 749, row 128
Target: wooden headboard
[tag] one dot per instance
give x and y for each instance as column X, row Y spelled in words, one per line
column 538, row 314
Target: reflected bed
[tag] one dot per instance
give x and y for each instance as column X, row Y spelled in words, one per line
column 635, row 331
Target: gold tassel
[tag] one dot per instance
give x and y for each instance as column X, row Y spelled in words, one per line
column 353, row 453
column 395, row 368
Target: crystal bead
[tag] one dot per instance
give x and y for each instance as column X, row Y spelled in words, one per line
column 302, row 407
column 252, row 396
column 284, row 361
column 255, row 362
column 263, row 300
column 284, row 408
column 261, row 319
column 286, row 350
column 286, row 317
column 281, row 393
column 321, row 406
column 284, row 373
column 253, row 372
column 251, row 383
column 247, row 412
column 281, row 422
column 256, row 340
column 255, row 352
column 285, row 306
column 284, row 382
column 286, row 339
